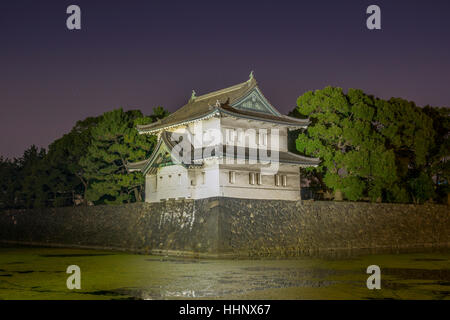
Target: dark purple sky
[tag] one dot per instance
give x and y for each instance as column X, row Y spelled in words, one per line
column 141, row 54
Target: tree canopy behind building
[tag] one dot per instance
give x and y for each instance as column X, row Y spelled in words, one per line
column 382, row 150
column 370, row 149
column 86, row 165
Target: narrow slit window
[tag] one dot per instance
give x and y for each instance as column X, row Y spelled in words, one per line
column 277, row 180
column 251, row 178
column 263, row 138
column 258, row 178
column 284, row 180
column 232, row 176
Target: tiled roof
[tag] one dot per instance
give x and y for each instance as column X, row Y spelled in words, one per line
column 197, row 155
column 282, row 119
column 219, row 102
column 136, row 166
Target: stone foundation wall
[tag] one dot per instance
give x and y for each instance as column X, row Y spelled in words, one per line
column 232, row 227
column 174, row 225
column 260, row 228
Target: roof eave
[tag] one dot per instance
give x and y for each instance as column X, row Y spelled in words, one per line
column 287, row 124
column 180, row 123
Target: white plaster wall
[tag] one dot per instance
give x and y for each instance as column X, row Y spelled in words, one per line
column 231, row 123
column 202, row 130
column 267, row 190
column 207, row 181
column 150, row 188
column 175, row 182
column 212, row 179
column 172, row 182
column 215, row 182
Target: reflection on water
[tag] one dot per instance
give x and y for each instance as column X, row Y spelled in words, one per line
column 39, row 273
column 71, row 255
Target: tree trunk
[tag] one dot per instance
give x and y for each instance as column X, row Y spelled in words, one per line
column 137, row 195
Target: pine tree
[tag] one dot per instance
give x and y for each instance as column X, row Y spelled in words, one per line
column 66, row 181
column 115, row 141
column 354, row 158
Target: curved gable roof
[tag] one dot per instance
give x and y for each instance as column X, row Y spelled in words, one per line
column 201, row 106
column 241, row 100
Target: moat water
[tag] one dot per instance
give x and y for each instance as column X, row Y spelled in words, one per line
column 40, row 273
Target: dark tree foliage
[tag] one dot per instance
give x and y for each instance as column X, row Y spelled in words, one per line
column 86, row 165
column 438, row 164
column 372, row 148
column 9, row 183
column 115, row 141
column 66, row 175
column 23, row 180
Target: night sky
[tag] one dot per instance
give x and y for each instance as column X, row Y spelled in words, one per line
column 142, row 54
